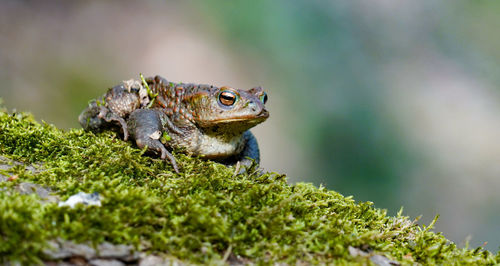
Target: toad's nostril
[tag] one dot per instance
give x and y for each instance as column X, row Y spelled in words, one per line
column 252, row 105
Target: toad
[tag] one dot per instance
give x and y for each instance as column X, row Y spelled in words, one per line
column 202, row 120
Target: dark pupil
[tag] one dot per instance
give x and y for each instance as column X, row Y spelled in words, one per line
column 227, row 98
column 264, row 98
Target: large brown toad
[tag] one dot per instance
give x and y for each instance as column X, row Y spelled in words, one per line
column 198, row 119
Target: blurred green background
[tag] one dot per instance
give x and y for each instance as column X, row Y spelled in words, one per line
column 394, row 102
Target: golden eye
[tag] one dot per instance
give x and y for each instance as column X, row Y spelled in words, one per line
column 227, row 98
column 263, row 98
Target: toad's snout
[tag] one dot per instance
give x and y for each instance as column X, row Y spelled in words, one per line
column 263, row 114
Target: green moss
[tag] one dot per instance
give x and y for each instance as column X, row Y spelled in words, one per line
column 22, row 228
column 197, row 215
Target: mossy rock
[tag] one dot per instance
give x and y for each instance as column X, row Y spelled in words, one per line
column 205, row 214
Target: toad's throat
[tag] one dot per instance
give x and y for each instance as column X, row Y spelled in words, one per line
column 212, row 146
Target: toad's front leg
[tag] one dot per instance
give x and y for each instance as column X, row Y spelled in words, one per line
column 251, row 151
column 145, row 127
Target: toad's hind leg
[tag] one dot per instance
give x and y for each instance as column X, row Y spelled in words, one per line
column 146, row 128
column 109, row 117
column 97, row 117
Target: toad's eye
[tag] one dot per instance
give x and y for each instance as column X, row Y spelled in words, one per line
column 263, row 98
column 227, row 98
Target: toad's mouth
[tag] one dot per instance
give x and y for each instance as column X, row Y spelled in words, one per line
column 250, row 119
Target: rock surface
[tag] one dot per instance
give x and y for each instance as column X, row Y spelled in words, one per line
column 26, row 188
